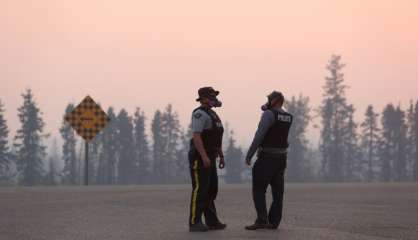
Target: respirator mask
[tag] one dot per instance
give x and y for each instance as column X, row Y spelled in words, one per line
column 272, row 97
column 214, row 102
column 266, row 106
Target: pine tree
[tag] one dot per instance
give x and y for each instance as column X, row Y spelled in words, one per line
column 30, row 150
column 369, row 139
column 5, row 154
column 299, row 168
column 393, row 144
column 107, row 159
column 326, row 140
column 171, row 133
column 334, row 117
column 400, row 130
column 183, row 154
column 141, row 147
column 95, row 147
column 182, row 164
column 127, row 166
column 387, row 143
column 69, row 154
column 352, row 156
column 410, row 140
column 234, row 158
column 158, row 147
column 52, row 177
column 415, row 140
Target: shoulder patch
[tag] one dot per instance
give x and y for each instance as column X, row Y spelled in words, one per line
column 197, row 115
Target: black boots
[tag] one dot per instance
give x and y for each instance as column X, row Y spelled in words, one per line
column 217, row 226
column 256, row 226
column 200, row 227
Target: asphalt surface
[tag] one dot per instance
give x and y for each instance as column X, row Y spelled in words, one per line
column 312, row 211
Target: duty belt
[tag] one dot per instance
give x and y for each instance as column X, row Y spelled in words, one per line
column 273, row 150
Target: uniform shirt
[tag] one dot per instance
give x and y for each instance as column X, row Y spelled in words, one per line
column 268, row 118
column 200, row 121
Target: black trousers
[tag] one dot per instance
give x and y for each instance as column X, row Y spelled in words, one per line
column 205, row 189
column 269, row 170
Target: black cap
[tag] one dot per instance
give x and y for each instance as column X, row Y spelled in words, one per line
column 274, row 95
column 207, row 92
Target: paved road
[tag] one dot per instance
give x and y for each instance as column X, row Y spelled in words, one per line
column 312, row 211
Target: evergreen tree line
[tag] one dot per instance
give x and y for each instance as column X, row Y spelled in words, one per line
column 383, row 147
column 121, row 154
column 124, row 154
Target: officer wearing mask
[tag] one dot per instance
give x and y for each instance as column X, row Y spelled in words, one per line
column 205, row 148
column 271, row 142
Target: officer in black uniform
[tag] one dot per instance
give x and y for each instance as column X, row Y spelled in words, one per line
column 271, row 142
column 205, row 148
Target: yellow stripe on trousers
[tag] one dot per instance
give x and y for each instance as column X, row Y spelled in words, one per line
column 196, row 189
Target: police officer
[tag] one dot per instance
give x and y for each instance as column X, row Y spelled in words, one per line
column 205, row 148
column 271, row 142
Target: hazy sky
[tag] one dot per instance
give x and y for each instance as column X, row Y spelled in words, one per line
column 150, row 53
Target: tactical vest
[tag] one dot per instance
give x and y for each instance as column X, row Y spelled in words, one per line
column 212, row 137
column 277, row 134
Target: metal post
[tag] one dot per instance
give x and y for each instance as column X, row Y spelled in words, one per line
column 86, row 165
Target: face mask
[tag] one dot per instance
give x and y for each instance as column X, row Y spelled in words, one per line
column 214, row 102
column 266, row 106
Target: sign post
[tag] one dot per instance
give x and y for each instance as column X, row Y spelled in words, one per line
column 87, row 119
column 86, row 165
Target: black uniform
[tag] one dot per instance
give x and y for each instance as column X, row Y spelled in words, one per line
column 270, row 167
column 205, row 180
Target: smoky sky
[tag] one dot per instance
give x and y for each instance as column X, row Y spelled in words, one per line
column 151, row 53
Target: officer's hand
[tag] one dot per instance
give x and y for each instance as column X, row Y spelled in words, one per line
column 206, row 162
column 221, row 162
column 248, row 161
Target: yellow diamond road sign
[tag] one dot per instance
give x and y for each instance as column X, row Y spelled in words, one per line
column 88, row 119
